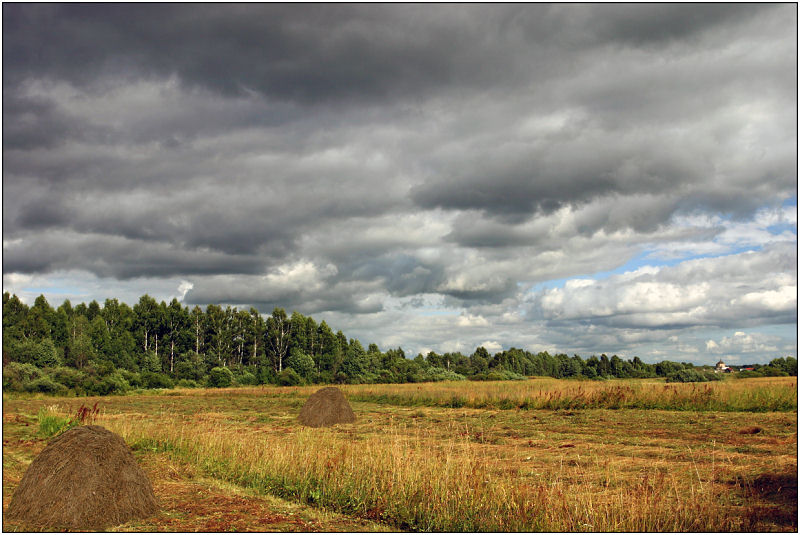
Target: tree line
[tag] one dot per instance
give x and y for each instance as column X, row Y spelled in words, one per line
column 93, row 349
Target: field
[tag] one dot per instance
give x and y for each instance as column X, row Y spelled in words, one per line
column 535, row 455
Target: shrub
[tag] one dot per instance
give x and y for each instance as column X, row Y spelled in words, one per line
column 387, row 376
column 323, row 377
column 39, row 353
column 220, row 377
column 190, row 366
column 498, row 375
column 770, row 371
column 103, row 367
column 687, row 376
column 186, row 383
column 45, row 385
column 247, row 378
column 266, row 375
column 134, row 379
column 435, row 373
column 110, row 384
column 155, row 380
column 289, row 377
column 69, row 377
column 747, row 374
column 15, row 375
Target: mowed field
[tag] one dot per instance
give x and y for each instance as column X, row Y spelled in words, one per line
column 535, row 455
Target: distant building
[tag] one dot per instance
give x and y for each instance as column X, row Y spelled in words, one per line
column 722, row 368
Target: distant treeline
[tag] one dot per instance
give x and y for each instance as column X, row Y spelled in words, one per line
column 89, row 349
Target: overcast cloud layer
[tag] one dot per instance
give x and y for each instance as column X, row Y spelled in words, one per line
column 601, row 178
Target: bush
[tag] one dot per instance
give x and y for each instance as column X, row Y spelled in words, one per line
column 156, row 380
column 39, row 353
column 45, row 385
column 435, row 373
column 69, row 377
column 266, row 375
column 498, row 375
column 689, row 376
column 387, row 376
column 323, row 377
column 190, row 366
column 134, row 379
column 247, row 378
column 220, row 377
column 186, row 383
column 770, row 371
column 103, row 367
column 747, row 374
column 289, row 377
column 15, row 375
column 110, row 384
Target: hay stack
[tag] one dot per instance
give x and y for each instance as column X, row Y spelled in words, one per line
column 85, row 479
column 325, row 407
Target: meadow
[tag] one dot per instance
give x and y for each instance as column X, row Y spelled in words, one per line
column 535, row 455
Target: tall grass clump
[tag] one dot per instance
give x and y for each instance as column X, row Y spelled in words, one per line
column 50, row 422
column 53, row 422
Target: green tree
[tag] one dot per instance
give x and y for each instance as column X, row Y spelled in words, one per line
column 355, row 359
column 219, row 334
column 80, row 349
column 98, row 333
column 176, row 322
column 300, row 362
column 255, row 337
column 279, row 331
column 198, row 327
column 146, row 311
column 151, row 362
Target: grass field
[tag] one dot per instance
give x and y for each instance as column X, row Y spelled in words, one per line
column 536, row 455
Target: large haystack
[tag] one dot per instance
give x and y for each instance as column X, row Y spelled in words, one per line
column 325, row 407
column 85, row 479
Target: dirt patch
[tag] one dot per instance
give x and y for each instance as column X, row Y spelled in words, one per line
column 750, row 430
column 776, row 488
column 85, row 479
column 325, row 407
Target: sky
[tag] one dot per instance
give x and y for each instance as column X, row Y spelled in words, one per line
column 587, row 179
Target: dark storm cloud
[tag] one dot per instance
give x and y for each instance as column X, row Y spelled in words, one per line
column 120, row 258
column 375, row 160
column 309, row 53
column 315, row 53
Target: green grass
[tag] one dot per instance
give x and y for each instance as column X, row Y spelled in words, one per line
column 50, row 423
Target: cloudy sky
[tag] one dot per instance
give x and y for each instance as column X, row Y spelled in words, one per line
column 571, row 178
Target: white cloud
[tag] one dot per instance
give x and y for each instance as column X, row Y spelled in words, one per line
column 184, row 287
column 743, row 344
column 492, row 346
column 468, row 320
column 747, row 288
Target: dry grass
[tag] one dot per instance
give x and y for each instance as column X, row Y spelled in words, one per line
column 445, row 469
column 756, row 395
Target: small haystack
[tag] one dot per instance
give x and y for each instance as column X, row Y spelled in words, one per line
column 325, row 407
column 85, row 479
